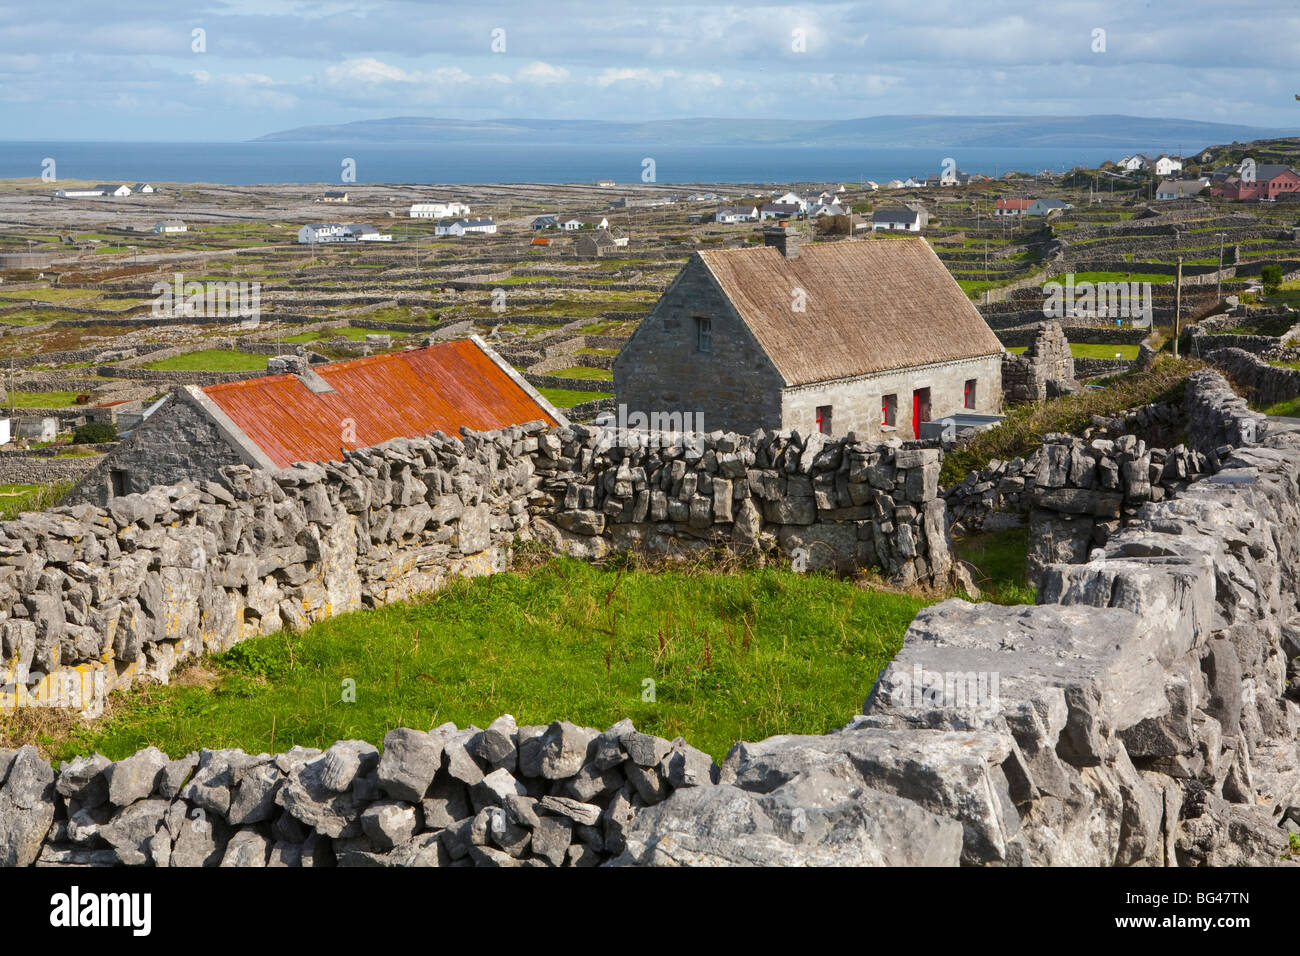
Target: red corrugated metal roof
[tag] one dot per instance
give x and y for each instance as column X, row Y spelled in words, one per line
column 402, row 395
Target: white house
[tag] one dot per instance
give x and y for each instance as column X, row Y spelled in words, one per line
column 736, row 214
column 143, row 188
column 900, row 219
column 438, row 210
column 571, row 225
column 826, row 209
column 1163, row 165
column 1168, row 164
column 779, row 210
column 1045, row 207
column 788, row 199
column 107, row 189
column 75, row 193
column 361, row 232
column 321, row 232
column 465, row 227
column 166, row 226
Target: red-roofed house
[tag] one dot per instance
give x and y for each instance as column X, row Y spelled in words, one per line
column 1268, row 181
column 315, row 414
column 1011, row 207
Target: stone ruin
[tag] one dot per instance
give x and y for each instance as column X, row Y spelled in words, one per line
column 1044, row 370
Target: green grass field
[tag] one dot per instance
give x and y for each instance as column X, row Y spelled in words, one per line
column 211, row 360
column 41, row 399
column 732, row 656
column 1087, row 350
column 15, row 499
column 352, row 335
column 582, row 371
column 567, row 397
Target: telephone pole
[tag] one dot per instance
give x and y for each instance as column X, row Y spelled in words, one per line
column 1178, row 305
column 1218, row 291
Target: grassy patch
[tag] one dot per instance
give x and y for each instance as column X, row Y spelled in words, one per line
column 211, row 360
column 352, row 335
column 1089, row 350
column 1288, row 409
column 42, row 399
column 733, row 656
column 582, row 371
column 15, row 499
column 999, row 561
column 567, row 397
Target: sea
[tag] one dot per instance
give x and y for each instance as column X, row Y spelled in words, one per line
column 248, row 163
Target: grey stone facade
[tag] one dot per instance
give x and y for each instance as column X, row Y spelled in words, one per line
column 734, row 385
column 176, row 443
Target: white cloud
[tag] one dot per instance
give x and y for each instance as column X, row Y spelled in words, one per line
column 542, row 74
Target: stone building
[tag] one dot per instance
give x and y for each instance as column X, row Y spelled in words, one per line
column 1044, row 370
column 597, row 244
column 871, row 336
column 314, row 414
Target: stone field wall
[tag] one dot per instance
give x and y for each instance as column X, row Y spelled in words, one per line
column 1144, row 712
column 95, row 598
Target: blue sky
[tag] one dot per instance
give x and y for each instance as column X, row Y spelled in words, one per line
column 129, row 69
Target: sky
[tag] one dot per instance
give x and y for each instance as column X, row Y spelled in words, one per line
column 228, row 70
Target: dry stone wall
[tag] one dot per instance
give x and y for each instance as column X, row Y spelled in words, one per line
column 1143, row 713
column 1266, row 384
column 838, row 503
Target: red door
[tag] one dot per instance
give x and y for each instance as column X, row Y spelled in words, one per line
column 920, row 410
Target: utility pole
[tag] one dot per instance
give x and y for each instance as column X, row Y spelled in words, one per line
column 1178, row 305
column 1218, row 291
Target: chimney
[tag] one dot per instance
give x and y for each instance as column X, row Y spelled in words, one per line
column 785, row 240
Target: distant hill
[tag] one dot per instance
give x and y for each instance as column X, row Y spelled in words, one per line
column 1121, row 132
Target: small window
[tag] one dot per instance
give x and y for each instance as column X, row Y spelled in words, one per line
column 824, row 419
column 703, row 334
column 889, row 410
column 970, row 393
column 121, row 482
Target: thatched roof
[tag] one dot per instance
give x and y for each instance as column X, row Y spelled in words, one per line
column 871, row 306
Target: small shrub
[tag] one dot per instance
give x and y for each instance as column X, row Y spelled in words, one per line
column 94, row 433
column 1271, row 277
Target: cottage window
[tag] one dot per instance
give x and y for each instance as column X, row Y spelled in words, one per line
column 889, row 410
column 970, row 393
column 703, row 333
column 824, row 419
